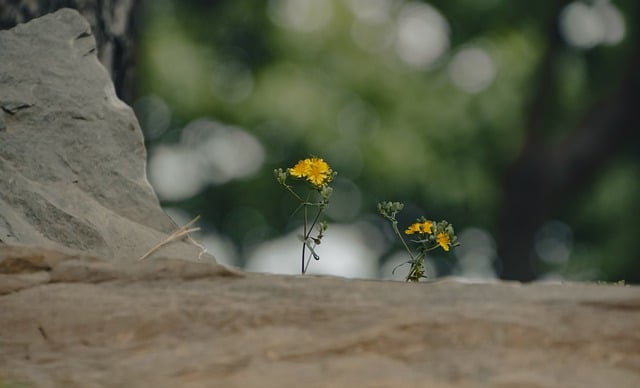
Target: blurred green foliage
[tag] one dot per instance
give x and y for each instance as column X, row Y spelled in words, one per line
column 393, row 131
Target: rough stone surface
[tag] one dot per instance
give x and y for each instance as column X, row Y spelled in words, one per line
column 82, row 321
column 72, row 157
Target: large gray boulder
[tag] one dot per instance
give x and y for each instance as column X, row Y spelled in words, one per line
column 72, row 157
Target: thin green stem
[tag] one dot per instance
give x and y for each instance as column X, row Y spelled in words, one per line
column 307, row 230
column 315, row 220
column 394, row 223
column 304, row 238
column 293, row 192
column 305, row 267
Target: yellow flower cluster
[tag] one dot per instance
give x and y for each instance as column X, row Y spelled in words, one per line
column 314, row 170
column 430, row 236
column 318, row 173
column 426, row 227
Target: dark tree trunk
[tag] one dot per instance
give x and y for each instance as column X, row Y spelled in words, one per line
column 547, row 174
column 113, row 23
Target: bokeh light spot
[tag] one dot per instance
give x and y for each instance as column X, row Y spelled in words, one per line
column 554, row 242
column 585, row 26
column 346, row 250
column 208, row 153
column 476, row 254
column 372, row 10
column 300, row 15
column 172, row 172
column 422, row 35
column 472, row 69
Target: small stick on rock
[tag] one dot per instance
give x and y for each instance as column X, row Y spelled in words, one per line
column 177, row 235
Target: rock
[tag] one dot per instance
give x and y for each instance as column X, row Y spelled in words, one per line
column 72, row 156
column 74, row 320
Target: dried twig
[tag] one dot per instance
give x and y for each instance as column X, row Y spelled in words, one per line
column 203, row 250
column 178, row 235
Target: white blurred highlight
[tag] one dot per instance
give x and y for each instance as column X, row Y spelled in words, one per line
column 371, row 10
column 476, row 254
column 585, row 26
column 347, row 250
column 422, row 35
column 554, row 242
column 208, row 153
column 472, row 69
column 300, row 15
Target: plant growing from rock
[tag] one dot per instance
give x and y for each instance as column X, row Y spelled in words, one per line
column 316, row 175
column 429, row 235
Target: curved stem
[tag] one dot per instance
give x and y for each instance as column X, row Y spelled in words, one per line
column 304, row 238
column 313, row 224
column 394, row 223
column 307, row 232
column 293, row 193
column 305, row 267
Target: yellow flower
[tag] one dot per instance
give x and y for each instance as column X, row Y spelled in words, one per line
column 318, row 172
column 315, row 170
column 420, row 227
column 444, row 241
column 413, row 228
column 426, row 227
column 301, row 169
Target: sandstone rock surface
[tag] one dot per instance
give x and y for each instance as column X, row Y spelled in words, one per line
column 82, row 321
column 72, row 156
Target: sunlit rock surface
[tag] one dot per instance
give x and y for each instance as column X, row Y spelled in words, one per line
column 88, row 322
column 72, row 157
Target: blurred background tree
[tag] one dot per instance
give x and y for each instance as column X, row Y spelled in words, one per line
column 515, row 122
